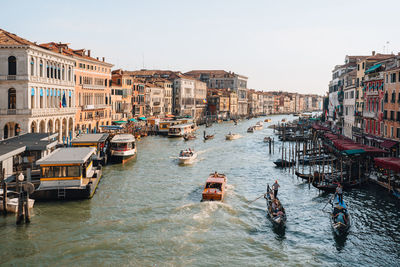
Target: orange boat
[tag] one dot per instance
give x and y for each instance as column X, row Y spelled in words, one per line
column 214, row 190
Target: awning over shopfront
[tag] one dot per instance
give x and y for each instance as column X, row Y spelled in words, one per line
column 133, row 120
column 374, row 67
column 120, row 122
column 388, row 144
column 388, row 163
column 142, row 118
column 111, row 127
column 354, row 151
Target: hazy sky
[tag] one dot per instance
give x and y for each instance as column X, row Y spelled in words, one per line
column 279, row 45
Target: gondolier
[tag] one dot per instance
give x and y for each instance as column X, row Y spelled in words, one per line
column 339, row 193
column 275, row 187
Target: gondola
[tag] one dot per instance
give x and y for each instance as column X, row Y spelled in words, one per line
column 284, row 163
column 330, row 186
column 304, row 176
column 188, row 137
column 340, row 209
column 278, row 218
column 207, row 136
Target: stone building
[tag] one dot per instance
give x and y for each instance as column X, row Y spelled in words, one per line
column 92, row 87
column 220, row 79
column 37, row 86
column 121, row 95
column 349, row 103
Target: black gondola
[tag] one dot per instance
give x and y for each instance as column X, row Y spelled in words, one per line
column 207, row 136
column 277, row 216
column 331, row 185
column 340, row 218
column 304, row 176
column 284, row 163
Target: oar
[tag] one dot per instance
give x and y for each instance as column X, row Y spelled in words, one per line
column 257, row 198
column 329, row 201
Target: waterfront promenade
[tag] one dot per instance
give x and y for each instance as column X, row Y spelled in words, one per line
column 148, row 212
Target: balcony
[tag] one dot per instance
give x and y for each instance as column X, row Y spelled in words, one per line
column 372, row 93
column 13, row 77
column 156, row 103
column 91, row 107
column 370, row 114
column 11, row 112
column 373, row 77
column 94, row 87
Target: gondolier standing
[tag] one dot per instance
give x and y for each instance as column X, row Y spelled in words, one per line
column 339, row 193
column 275, row 187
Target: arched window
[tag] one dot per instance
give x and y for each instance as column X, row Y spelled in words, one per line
column 69, row 74
column 41, row 68
column 12, row 98
column 12, row 65
column 58, row 72
column 5, row 133
column 63, row 73
column 32, row 67
column 51, row 71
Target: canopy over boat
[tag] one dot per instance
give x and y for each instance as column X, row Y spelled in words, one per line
column 388, row 163
column 69, row 155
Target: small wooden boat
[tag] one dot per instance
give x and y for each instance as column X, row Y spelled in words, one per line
column 12, row 204
column 267, row 139
column 284, row 163
column 283, row 120
column 208, row 136
column 304, row 176
column 235, row 122
column 188, row 137
column 232, row 136
column 214, row 190
column 250, row 129
column 267, row 120
column 340, row 218
column 276, row 212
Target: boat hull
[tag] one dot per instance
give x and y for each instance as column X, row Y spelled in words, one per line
column 74, row 193
column 122, row 158
column 187, row 160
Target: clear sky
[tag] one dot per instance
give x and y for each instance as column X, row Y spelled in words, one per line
column 279, row 45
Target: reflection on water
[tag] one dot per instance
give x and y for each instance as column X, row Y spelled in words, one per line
column 148, row 212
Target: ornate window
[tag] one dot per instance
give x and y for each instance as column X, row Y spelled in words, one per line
column 41, row 68
column 32, row 67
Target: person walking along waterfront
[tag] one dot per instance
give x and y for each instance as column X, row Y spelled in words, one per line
column 275, row 187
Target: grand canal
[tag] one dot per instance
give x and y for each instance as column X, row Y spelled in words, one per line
column 148, row 212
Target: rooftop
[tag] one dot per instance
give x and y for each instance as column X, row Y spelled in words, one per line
column 69, row 155
column 7, row 38
column 8, row 151
column 90, row 138
column 32, row 141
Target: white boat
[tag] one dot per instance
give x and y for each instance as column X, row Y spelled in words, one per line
column 258, row 126
column 12, row 205
column 123, row 148
column 181, row 130
column 187, row 156
column 232, row 136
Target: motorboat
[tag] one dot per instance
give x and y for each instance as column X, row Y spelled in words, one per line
column 232, row 136
column 214, row 189
column 267, row 120
column 258, row 126
column 188, row 137
column 250, row 129
column 187, row 156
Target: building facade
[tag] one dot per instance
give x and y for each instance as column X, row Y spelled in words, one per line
column 39, row 89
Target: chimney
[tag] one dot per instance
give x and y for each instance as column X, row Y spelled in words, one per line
column 88, row 53
column 104, row 59
column 97, row 58
column 373, row 53
column 60, row 49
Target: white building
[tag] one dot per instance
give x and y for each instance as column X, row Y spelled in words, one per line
column 349, row 102
column 37, row 89
column 155, row 105
column 184, row 96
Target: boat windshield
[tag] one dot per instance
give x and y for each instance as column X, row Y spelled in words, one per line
column 122, row 146
column 214, row 185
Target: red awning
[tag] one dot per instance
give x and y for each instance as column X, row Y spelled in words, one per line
column 388, row 144
column 388, row 163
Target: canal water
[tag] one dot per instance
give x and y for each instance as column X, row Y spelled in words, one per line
column 148, row 213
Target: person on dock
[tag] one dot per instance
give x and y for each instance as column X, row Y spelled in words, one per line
column 339, row 193
column 275, row 187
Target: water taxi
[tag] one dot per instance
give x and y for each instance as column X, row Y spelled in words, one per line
column 181, row 130
column 232, row 136
column 214, row 190
column 267, row 120
column 258, row 126
column 68, row 173
column 187, row 156
column 123, row 148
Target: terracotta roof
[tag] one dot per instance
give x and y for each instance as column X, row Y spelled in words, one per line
column 213, row 73
column 63, row 48
column 7, row 38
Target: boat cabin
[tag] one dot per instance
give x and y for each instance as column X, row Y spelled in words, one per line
column 67, row 167
column 214, row 188
column 97, row 140
column 180, row 130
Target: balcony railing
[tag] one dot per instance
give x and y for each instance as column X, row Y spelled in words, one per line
column 370, row 114
column 11, row 112
column 90, row 107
